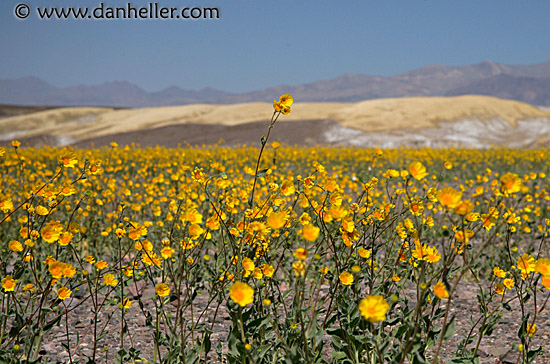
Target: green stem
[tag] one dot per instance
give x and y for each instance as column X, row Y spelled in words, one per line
column 5, row 317
column 241, row 326
column 157, row 329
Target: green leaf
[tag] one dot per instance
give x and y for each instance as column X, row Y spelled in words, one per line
column 339, row 355
column 207, row 343
column 262, row 172
column 338, row 332
column 449, row 329
column 393, row 321
column 523, row 328
column 102, row 336
column 532, row 354
column 311, row 332
column 49, row 326
column 419, row 359
column 17, row 326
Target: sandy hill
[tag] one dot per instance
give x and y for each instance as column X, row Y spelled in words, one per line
column 424, row 112
column 414, row 115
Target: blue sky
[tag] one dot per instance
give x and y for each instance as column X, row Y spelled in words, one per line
column 259, row 43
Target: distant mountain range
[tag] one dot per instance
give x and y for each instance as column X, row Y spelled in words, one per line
column 530, row 84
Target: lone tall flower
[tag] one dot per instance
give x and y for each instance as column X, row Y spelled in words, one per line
column 241, row 293
column 283, row 105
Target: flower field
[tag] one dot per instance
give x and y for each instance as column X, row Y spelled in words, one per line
column 316, row 255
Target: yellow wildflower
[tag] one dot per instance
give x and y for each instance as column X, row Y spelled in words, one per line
column 162, row 290
column 299, row 268
column 449, row 197
column 101, row 265
column 110, row 280
column 364, row 253
column 374, row 308
column 310, row 232
column 15, row 246
column 63, row 293
column 300, row 253
column 68, row 160
column 510, row 183
column 526, row 264
column 267, row 270
column 508, row 283
column 248, row 264
column 417, row 170
column 500, row 289
column 440, row 290
column 531, row 329
column 276, row 220
column 9, row 283
column 241, row 293
column 499, row 272
column 287, row 188
column 543, row 266
column 346, row 278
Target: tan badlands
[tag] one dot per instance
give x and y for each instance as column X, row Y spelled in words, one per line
column 81, row 123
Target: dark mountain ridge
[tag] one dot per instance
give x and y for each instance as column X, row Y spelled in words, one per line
column 527, row 83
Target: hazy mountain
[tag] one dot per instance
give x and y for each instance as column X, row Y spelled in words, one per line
column 434, row 80
column 26, row 91
column 33, row 91
column 177, row 96
column 535, row 91
column 529, row 83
